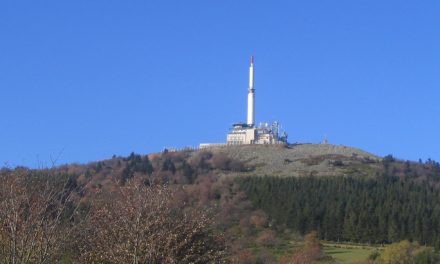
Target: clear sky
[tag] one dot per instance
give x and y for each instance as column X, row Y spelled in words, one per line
column 84, row 79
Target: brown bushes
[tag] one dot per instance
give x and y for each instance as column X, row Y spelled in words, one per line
column 142, row 224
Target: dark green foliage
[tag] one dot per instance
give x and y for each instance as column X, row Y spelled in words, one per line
column 338, row 163
column 168, row 165
column 387, row 160
column 99, row 166
column 136, row 163
column 127, row 173
column 188, row 172
column 203, row 160
column 426, row 256
column 374, row 255
column 381, row 210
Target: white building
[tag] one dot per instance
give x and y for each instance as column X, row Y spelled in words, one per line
column 249, row 133
column 263, row 134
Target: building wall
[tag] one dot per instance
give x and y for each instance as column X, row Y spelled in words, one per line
column 240, row 136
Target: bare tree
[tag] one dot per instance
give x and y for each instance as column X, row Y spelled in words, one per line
column 144, row 224
column 32, row 210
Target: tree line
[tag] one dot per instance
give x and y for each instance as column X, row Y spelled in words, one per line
column 384, row 209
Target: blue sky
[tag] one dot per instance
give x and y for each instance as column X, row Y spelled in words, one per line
column 84, row 80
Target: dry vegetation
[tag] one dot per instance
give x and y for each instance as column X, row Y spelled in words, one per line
column 43, row 219
column 145, row 224
column 35, row 217
column 171, row 207
column 302, row 160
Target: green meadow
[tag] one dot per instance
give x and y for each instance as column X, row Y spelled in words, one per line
column 348, row 253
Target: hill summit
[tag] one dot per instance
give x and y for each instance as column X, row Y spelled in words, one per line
column 302, row 159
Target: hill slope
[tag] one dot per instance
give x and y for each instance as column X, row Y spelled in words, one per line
column 263, row 198
column 303, row 159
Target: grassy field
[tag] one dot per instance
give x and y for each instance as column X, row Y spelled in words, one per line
column 340, row 253
column 348, row 253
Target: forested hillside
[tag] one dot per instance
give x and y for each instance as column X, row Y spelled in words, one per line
column 221, row 203
column 377, row 210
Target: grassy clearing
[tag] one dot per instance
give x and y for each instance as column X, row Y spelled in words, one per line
column 336, row 253
column 348, row 253
column 277, row 251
